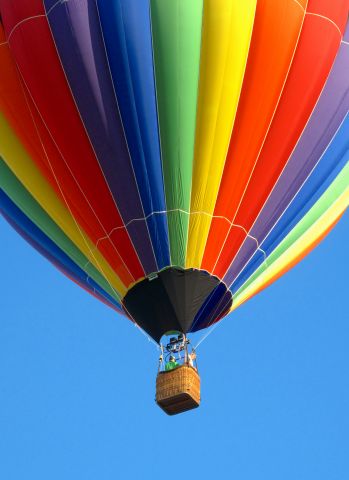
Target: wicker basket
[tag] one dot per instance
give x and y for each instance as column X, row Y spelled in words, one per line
column 178, row 390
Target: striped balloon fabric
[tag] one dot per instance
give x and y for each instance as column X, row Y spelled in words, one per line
column 174, row 157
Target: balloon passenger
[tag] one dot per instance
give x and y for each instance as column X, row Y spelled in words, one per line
column 191, row 358
column 171, row 364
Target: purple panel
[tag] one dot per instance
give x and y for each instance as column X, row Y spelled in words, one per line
column 328, row 114
column 77, row 35
column 246, row 251
column 325, row 120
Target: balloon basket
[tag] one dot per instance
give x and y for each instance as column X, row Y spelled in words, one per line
column 178, row 390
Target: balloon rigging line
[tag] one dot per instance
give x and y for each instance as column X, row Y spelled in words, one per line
column 296, row 1
column 24, row 20
column 188, row 213
column 265, row 263
column 162, row 212
column 217, row 308
column 141, row 329
column 216, row 323
column 107, row 237
column 64, row 160
column 241, row 289
column 328, row 19
column 308, row 176
column 265, row 135
column 207, row 300
column 287, row 162
column 7, row 42
column 124, row 134
column 281, row 173
column 204, row 337
column 248, row 235
column 57, row 180
column 32, row 18
column 95, row 155
column 293, row 150
column 64, row 198
column 57, row 3
column 286, row 208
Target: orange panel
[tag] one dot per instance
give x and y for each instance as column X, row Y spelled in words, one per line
column 275, row 34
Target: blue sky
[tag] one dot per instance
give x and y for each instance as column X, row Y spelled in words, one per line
column 77, row 381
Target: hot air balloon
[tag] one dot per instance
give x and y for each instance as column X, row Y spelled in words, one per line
column 174, row 157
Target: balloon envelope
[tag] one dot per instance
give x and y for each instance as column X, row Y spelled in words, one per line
column 174, row 158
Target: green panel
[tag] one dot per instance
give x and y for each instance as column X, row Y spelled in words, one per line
column 25, row 202
column 334, row 191
column 176, row 30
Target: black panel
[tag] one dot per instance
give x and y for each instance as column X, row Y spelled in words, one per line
column 171, row 300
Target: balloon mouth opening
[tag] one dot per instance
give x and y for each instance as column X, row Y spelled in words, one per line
column 170, row 332
column 171, row 336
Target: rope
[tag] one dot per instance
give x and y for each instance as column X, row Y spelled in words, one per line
column 206, row 335
column 150, row 340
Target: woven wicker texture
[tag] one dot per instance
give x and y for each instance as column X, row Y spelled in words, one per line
column 178, row 390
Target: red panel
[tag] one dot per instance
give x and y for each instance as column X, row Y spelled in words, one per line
column 20, row 112
column 336, row 10
column 76, row 166
column 12, row 101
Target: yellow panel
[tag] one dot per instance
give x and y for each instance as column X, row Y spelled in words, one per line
column 295, row 252
column 28, row 174
column 226, row 35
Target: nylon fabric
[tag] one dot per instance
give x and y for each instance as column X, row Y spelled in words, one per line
column 333, row 161
column 78, row 38
column 305, row 236
column 127, row 35
column 275, row 35
column 32, row 47
column 176, row 30
column 171, row 156
column 25, row 170
column 215, row 307
column 309, row 71
column 322, row 132
column 29, row 129
column 226, row 35
column 26, row 204
column 173, row 297
column 48, row 249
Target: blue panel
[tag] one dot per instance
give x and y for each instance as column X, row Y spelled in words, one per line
column 213, row 308
column 36, row 238
column 127, row 34
column 332, row 162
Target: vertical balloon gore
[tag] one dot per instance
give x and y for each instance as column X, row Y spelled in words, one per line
column 174, row 158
